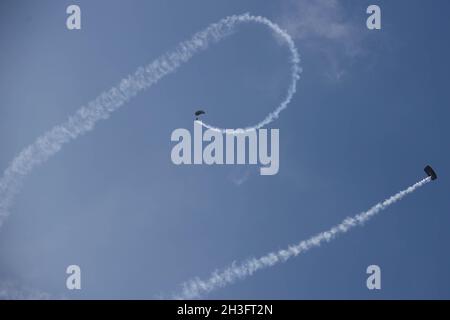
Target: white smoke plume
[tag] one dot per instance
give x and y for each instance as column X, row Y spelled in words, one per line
column 107, row 102
column 196, row 288
column 12, row 291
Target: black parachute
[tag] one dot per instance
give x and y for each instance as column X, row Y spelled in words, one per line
column 430, row 172
column 198, row 113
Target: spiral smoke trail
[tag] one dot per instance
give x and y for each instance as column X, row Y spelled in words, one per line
column 109, row 101
column 196, row 288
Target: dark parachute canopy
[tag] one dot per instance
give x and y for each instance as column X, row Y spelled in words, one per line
column 199, row 113
column 430, row 172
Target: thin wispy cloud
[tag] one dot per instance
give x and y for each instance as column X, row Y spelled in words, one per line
column 327, row 28
column 240, row 176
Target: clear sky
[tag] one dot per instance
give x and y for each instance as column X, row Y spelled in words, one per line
column 371, row 110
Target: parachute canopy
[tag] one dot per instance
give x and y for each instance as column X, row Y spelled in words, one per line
column 430, row 172
column 198, row 113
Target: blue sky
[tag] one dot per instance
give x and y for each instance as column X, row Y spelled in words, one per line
column 370, row 112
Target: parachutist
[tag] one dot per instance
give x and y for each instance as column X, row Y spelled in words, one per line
column 199, row 113
column 430, row 172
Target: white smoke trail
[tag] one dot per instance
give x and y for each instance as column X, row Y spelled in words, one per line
column 101, row 108
column 197, row 287
column 12, row 291
column 295, row 75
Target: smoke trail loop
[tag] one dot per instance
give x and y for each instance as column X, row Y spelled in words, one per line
column 109, row 101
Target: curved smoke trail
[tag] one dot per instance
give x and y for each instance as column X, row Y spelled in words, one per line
column 106, row 103
column 197, row 287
